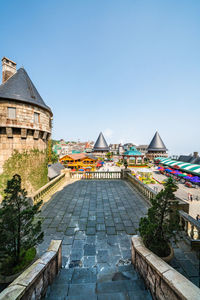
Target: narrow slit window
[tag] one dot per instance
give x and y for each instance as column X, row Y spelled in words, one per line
column 36, row 117
column 11, row 112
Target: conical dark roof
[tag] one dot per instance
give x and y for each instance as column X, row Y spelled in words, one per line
column 101, row 144
column 19, row 87
column 157, row 144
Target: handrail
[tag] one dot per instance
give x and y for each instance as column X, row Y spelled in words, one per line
column 47, row 188
column 143, row 188
column 190, row 226
column 96, row 175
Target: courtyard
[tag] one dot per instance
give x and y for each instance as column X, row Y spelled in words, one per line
column 95, row 220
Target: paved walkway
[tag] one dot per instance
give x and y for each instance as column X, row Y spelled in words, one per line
column 95, row 220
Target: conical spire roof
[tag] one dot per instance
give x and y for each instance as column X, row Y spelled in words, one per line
column 157, row 144
column 19, row 87
column 101, row 144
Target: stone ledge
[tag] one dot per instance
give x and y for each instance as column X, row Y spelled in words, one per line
column 33, row 282
column 160, row 277
column 13, row 292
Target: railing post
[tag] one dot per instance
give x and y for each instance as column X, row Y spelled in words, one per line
column 192, row 231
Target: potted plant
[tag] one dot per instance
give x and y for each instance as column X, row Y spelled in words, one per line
column 20, row 230
column 162, row 220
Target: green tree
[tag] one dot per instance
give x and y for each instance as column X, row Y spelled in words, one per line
column 109, row 155
column 19, row 229
column 162, row 219
column 125, row 163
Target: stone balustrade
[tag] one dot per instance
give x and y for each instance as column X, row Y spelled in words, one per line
column 190, row 227
column 95, row 175
column 33, row 282
column 149, row 193
column 140, row 186
column 47, row 188
column 164, row 282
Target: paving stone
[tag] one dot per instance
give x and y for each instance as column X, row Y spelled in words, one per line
column 102, row 256
column 82, row 289
column 91, row 231
column 59, row 291
column 89, row 250
column 86, row 275
column 91, row 239
column 110, row 230
column 68, row 240
column 79, row 235
column 101, row 227
column 70, row 231
column 66, row 250
column 188, row 268
column 78, row 244
column 89, row 261
column 114, row 296
column 76, row 254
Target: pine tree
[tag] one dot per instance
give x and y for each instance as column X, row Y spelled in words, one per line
column 18, row 229
column 162, row 220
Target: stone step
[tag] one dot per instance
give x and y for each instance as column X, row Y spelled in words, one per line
column 120, row 282
column 120, row 286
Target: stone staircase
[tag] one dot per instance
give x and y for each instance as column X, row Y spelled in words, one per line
column 118, row 283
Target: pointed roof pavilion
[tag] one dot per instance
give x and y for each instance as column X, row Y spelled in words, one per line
column 157, row 144
column 19, row 87
column 101, row 144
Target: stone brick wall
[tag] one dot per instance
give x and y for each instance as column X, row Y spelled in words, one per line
column 163, row 281
column 22, row 133
column 33, row 282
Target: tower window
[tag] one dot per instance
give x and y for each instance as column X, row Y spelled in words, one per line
column 11, row 112
column 36, row 117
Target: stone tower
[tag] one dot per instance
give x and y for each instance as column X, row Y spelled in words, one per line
column 25, row 120
column 156, row 148
column 100, row 147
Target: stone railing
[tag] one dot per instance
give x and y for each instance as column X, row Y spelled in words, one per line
column 163, row 281
column 47, row 188
column 149, row 193
column 140, row 186
column 33, row 282
column 95, row 175
column 190, row 227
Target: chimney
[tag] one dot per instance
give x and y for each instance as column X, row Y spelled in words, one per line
column 8, row 68
column 196, row 154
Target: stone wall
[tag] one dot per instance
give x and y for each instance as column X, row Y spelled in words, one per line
column 22, row 133
column 163, row 281
column 33, row 282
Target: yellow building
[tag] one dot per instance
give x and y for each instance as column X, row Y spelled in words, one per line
column 79, row 161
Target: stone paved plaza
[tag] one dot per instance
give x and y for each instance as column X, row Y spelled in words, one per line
column 95, row 220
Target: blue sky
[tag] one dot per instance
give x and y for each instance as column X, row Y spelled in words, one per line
column 127, row 68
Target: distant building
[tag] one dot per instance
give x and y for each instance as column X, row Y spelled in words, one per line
column 142, row 148
column 25, row 119
column 128, row 146
column 133, row 156
column 79, row 161
column 192, row 159
column 100, row 147
column 156, row 148
column 116, row 149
